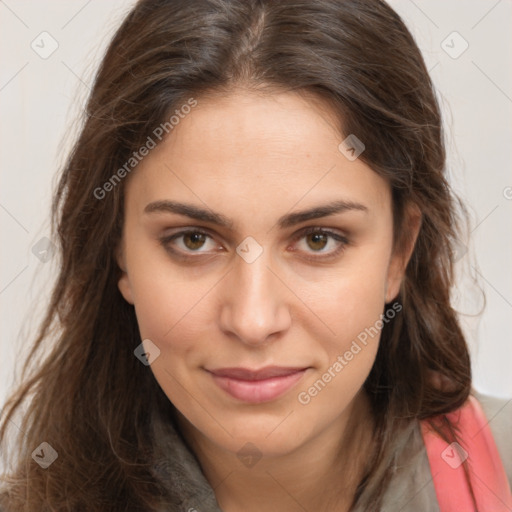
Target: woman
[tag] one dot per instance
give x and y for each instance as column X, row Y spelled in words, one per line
column 253, row 309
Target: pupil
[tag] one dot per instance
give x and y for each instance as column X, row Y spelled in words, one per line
column 319, row 237
column 197, row 240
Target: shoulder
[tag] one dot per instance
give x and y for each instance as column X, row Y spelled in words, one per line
column 411, row 487
column 498, row 412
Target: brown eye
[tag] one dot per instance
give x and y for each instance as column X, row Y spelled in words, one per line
column 316, row 244
column 194, row 240
column 187, row 242
column 318, row 240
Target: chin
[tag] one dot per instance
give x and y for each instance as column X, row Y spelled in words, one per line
column 270, row 435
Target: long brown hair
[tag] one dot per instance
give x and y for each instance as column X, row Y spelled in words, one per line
column 90, row 398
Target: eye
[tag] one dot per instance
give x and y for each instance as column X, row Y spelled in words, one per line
column 317, row 239
column 189, row 241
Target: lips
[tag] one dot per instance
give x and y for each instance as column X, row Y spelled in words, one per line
column 257, row 386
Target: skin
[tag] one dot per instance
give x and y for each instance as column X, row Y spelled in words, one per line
column 254, row 158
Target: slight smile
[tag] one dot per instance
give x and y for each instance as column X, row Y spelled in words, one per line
column 257, row 386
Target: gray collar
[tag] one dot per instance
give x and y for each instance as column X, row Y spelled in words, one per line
column 411, row 487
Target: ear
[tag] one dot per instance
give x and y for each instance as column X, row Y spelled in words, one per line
column 402, row 253
column 124, row 281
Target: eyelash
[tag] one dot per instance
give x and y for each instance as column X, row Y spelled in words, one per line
column 342, row 240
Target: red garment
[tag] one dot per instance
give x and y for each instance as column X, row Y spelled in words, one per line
column 476, row 444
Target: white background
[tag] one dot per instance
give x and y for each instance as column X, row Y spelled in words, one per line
column 39, row 98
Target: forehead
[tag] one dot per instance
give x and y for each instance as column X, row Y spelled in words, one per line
column 258, row 152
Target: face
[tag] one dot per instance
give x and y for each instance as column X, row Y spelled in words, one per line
column 252, row 242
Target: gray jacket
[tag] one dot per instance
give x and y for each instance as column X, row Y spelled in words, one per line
column 411, row 488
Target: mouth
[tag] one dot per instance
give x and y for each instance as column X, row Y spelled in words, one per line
column 257, row 386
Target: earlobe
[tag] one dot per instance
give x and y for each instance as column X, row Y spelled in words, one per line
column 402, row 254
column 124, row 287
column 124, row 281
column 396, row 272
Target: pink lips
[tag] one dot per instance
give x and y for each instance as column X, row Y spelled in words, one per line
column 257, row 386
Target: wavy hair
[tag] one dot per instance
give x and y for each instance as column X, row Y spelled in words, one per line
column 87, row 394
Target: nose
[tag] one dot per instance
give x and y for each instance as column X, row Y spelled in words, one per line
column 254, row 304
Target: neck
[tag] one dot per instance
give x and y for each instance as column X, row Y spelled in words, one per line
column 322, row 474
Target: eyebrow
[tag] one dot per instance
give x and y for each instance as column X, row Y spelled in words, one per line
column 288, row 220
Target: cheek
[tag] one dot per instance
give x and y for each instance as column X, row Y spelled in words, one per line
column 164, row 294
column 351, row 299
column 353, row 313
column 169, row 310
column 350, row 305
column 174, row 314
